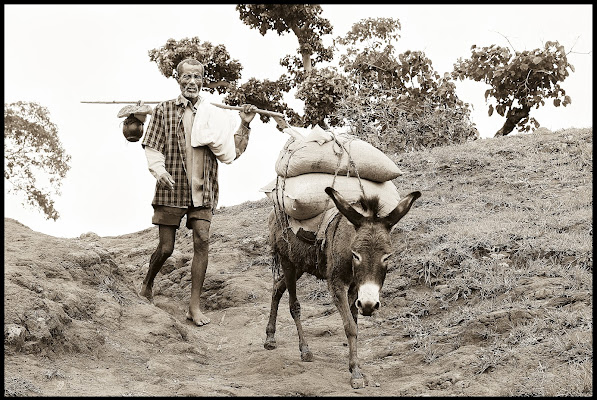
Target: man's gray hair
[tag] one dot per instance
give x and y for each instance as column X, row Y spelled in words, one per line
column 190, row 61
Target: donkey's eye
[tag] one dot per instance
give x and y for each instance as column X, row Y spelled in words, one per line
column 385, row 258
column 356, row 256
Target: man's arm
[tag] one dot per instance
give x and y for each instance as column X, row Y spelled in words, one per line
column 156, row 162
column 241, row 137
column 153, row 141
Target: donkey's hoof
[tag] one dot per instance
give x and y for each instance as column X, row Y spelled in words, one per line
column 306, row 356
column 357, row 383
column 270, row 344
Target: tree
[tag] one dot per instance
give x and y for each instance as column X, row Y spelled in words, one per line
column 302, row 19
column 32, row 149
column 221, row 72
column 398, row 103
column 518, row 82
column 319, row 89
column 368, row 59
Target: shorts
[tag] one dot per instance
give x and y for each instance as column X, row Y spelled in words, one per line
column 166, row 215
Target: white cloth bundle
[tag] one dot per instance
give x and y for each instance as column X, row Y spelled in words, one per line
column 215, row 128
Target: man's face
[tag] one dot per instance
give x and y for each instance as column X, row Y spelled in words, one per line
column 191, row 80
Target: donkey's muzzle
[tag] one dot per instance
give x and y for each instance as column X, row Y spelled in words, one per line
column 368, row 298
column 367, row 308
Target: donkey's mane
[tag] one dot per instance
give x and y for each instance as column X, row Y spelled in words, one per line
column 370, row 204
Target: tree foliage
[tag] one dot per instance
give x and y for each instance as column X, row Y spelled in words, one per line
column 266, row 94
column 377, row 115
column 398, row 103
column 32, row 149
column 303, row 20
column 321, row 91
column 518, row 81
column 220, row 71
column 368, row 64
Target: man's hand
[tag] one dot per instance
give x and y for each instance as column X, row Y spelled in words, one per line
column 247, row 113
column 282, row 124
column 165, row 181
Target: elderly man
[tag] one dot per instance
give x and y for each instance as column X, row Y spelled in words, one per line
column 187, row 178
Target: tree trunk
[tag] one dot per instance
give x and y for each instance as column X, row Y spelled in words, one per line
column 514, row 116
column 300, row 33
column 306, row 61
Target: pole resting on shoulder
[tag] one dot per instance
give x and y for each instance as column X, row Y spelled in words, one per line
column 260, row 111
column 138, row 102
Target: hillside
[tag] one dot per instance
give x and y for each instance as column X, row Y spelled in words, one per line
column 489, row 293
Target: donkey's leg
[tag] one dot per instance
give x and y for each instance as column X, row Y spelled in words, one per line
column 340, row 295
column 291, row 276
column 353, row 294
column 278, row 289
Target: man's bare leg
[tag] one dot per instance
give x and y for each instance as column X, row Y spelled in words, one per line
column 198, row 269
column 164, row 250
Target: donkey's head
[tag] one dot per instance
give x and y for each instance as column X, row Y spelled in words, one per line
column 371, row 247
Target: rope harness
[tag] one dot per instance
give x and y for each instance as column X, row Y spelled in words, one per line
column 283, row 218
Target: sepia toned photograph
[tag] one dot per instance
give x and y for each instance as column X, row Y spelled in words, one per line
column 310, row 200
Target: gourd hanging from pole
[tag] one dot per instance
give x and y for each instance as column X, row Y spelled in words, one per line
column 132, row 128
column 135, row 114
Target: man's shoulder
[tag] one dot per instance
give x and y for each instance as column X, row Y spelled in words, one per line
column 167, row 103
column 166, row 107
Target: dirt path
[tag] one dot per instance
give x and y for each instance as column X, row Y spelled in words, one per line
column 116, row 343
column 143, row 355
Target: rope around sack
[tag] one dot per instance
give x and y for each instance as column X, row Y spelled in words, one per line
column 283, row 218
column 354, row 166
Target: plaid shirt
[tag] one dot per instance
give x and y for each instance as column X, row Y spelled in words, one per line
column 165, row 133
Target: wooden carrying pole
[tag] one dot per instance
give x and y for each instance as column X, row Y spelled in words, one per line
column 121, row 102
column 260, row 111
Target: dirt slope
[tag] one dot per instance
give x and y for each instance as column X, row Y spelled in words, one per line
column 75, row 326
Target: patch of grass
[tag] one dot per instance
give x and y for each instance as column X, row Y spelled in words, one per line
column 109, row 285
column 19, row 387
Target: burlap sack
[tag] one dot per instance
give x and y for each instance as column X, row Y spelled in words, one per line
column 303, row 196
column 319, row 152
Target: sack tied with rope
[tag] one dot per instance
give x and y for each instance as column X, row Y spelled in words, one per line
column 303, row 196
column 342, row 154
column 309, row 163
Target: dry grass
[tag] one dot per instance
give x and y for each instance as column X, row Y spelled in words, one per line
column 502, row 240
column 497, row 254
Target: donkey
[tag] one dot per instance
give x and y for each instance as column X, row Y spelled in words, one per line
column 353, row 261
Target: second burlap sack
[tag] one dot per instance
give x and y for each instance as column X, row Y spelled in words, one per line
column 303, row 196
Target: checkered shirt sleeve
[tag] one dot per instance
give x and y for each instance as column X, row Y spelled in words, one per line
column 162, row 135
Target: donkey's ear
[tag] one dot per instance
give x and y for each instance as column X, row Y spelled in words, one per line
column 401, row 209
column 345, row 208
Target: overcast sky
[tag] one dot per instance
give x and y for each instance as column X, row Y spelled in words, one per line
column 60, row 55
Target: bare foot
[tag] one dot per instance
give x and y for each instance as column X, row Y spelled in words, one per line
column 198, row 318
column 146, row 292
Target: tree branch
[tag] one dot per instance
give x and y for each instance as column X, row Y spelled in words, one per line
column 505, row 37
column 212, row 85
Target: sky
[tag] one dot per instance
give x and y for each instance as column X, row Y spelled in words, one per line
column 61, row 55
